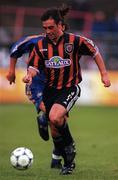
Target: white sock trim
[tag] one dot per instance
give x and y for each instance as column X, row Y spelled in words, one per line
column 55, row 156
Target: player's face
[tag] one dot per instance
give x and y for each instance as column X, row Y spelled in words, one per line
column 52, row 29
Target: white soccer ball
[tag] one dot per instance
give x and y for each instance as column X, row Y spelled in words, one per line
column 21, row 158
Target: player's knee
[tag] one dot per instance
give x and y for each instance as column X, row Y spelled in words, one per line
column 55, row 119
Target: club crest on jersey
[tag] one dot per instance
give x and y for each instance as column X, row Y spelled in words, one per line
column 68, row 48
column 57, row 62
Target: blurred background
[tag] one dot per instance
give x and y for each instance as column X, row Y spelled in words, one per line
column 97, row 20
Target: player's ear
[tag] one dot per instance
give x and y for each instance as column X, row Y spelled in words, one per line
column 60, row 25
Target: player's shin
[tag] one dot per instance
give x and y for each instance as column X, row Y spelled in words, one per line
column 43, row 126
column 67, row 148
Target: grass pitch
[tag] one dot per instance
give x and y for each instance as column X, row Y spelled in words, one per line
column 95, row 130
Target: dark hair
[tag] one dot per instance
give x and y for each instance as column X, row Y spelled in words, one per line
column 57, row 14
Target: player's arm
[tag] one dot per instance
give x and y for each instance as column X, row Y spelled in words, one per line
column 104, row 75
column 32, row 67
column 87, row 47
column 11, row 72
column 31, row 72
column 18, row 49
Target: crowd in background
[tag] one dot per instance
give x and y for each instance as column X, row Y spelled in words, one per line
column 103, row 30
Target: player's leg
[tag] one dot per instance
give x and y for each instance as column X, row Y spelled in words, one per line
column 62, row 137
column 34, row 93
column 64, row 141
column 56, row 155
column 42, row 123
column 65, row 144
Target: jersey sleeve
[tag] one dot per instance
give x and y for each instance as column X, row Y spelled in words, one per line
column 20, row 47
column 87, row 47
column 24, row 45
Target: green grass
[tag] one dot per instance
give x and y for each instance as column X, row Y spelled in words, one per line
column 95, row 130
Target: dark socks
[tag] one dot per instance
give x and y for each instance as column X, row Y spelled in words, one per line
column 65, row 144
column 65, row 133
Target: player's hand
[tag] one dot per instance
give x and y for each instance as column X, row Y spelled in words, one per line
column 27, row 79
column 11, row 77
column 32, row 71
column 106, row 80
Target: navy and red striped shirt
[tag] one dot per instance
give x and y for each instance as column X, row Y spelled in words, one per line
column 61, row 61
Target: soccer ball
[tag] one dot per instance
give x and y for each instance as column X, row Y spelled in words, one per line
column 21, row 158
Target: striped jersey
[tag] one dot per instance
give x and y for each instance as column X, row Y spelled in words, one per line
column 61, row 61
